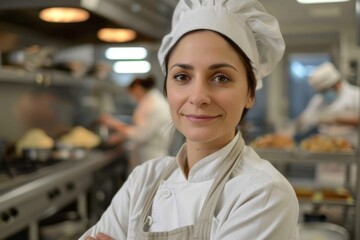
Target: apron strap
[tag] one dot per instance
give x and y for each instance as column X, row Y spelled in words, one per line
column 203, row 226
column 148, row 203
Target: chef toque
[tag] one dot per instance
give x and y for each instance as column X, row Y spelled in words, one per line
column 324, row 76
column 243, row 21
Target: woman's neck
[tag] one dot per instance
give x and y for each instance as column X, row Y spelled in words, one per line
column 196, row 151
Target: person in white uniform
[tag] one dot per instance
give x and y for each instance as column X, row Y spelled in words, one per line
column 334, row 110
column 216, row 187
column 148, row 135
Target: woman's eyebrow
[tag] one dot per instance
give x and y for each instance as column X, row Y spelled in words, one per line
column 221, row 65
column 182, row 65
column 211, row 67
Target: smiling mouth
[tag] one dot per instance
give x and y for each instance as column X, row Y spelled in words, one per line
column 200, row 118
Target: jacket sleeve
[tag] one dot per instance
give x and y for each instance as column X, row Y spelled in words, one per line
column 121, row 218
column 310, row 117
column 268, row 212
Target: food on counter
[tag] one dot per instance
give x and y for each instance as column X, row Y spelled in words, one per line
column 80, row 137
column 34, row 139
column 304, row 192
column 322, row 194
column 321, row 143
column 336, row 193
column 275, row 141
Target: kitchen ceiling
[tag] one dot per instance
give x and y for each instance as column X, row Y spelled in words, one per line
column 20, row 26
column 292, row 14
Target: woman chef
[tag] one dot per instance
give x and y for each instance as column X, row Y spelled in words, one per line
column 216, row 187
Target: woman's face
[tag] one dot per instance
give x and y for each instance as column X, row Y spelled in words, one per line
column 206, row 88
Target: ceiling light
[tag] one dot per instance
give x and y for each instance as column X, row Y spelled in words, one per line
column 116, row 34
column 132, row 67
column 320, row 1
column 64, row 15
column 126, row 53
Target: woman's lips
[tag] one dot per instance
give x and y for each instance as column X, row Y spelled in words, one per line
column 200, row 118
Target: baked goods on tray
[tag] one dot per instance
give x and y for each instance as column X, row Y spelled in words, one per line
column 34, row 139
column 80, row 137
column 336, row 194
column 322, row 194
column 304, row 192
column 273, row 141
column 322, row 143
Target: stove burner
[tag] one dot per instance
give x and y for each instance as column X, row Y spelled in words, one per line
column 24, row 166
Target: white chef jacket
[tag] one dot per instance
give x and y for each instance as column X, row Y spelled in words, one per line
column 257, row 202
column 347, row 102
column 151, row 130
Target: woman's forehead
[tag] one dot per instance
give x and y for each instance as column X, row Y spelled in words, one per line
column 204, row 47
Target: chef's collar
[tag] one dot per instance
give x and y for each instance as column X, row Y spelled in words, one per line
column 207, row 167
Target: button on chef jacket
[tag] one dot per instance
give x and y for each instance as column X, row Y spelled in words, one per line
column 257, row 202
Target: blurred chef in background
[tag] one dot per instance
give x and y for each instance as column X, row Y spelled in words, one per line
column 148, row 135
column 334, row 110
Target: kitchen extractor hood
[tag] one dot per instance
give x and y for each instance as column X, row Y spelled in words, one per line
column 151, row 19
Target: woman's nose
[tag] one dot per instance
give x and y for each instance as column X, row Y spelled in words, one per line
column 199, row 94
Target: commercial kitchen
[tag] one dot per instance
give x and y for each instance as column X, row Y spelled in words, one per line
column 58, row 168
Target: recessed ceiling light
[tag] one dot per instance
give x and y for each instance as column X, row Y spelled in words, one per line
column 116, row 34
column 320, row 1
column 64, row 15
column 132, row 67
column 126, row 53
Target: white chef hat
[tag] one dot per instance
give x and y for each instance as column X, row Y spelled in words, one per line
column 245, row 22
column 324, row 76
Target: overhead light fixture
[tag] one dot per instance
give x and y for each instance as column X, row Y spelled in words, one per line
column 116, row 34
column 64, row 15
column 320, row 1
column 126, row 53
column 132, row 67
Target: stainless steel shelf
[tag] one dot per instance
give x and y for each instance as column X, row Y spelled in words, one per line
column 283, row 157
column 299, row 156
column 47, row 78
column 347, row 202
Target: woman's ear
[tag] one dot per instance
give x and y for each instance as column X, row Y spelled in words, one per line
column 249, row 102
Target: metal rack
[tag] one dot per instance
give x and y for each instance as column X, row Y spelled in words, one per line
column 45, row 78
column 281, row 158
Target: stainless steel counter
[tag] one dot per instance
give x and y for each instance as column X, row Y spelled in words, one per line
column 28, row 198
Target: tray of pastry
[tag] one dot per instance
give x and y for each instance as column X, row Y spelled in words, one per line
column 277, row 147
column 324, row 195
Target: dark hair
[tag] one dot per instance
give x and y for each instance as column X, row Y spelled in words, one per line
column 250, row 75
column 147, row 83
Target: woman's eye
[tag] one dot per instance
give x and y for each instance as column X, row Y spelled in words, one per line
column 181, row 77
column 221, row 79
